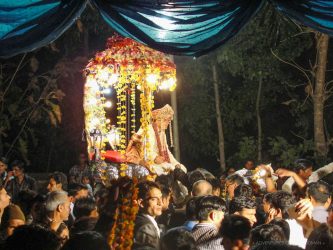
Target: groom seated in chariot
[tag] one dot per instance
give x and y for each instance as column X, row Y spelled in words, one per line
column 159, row 156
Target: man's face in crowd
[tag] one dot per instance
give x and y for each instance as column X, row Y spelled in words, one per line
column 65, row 210
column 230, row 187
column 231, row 171
column 4, row 199
column 305, row 174
column 53, row 186
column 249, row 165
column 17, row 171
column 153, row 203
column 3, row 167
column 83, row 193
column 250, row 214
column 166, row 202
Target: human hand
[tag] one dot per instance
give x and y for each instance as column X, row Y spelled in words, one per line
column 178, row 166
column 301, row 211
column 265, row 171
column 281, row 172
column 159, row 160
column 9, row 176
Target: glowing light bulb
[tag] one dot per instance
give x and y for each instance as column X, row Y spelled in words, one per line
column 106, row 91
column 92, row 83
column 113, row 137
column 103, row 75
column 152, row 79
column 113, row 79
column 108, row 104
column 168, row 84
column 94, row 122
column 92, row 101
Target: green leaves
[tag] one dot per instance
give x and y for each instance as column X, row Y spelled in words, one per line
column 32, row 98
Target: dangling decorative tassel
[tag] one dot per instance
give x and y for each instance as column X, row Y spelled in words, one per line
column 171, row 135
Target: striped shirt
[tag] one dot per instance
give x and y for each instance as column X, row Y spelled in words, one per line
column 207, row 236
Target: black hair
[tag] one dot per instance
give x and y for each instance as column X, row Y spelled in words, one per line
column 302, row 164
column 165, row 190
column 236, row 227
column 320, row 238
column 275, row 246
column 284, row 226
column 88, row 240
column 282, row 200
column 207, row 204
column 195, row 176
column 31, row 237
column 26, row 199
column 166, row 180
column 235, row 178
column 267, row 233
column 190, row 210
column 74, row 188
column 238, row 203
column 178, row 239
column 215, row 183
column 4, row 160
column 84, row 206
column 83, row 224
column 268, row 197
column 180, row 175
column 319, row 191
column 19, row 164
column 59, row 177
column 243, row 190
column 144, row 188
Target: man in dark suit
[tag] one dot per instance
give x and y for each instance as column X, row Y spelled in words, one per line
column 146, row 230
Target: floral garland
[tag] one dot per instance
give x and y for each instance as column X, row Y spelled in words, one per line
column 122, row 232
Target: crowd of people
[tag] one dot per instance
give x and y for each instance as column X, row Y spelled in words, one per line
column 256, row 207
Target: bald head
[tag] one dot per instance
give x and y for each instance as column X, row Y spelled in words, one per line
column 201, row 188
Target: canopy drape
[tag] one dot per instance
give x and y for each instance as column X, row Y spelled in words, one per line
column 29, row 24
column 183, row 27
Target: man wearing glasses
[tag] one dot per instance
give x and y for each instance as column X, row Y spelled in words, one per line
column 146, row 230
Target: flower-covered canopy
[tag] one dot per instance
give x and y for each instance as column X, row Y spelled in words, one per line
column 125, row 65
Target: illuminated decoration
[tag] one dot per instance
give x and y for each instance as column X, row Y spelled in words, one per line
column 128, row 67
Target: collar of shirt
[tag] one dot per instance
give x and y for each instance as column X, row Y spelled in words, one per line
column 154, row 223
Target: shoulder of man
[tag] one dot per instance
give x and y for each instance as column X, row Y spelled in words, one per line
column 145, row 233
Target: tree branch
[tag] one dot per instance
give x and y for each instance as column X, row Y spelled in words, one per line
column 298, row 136
column 27, row 119
column 11, row 81
column 295, row 66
